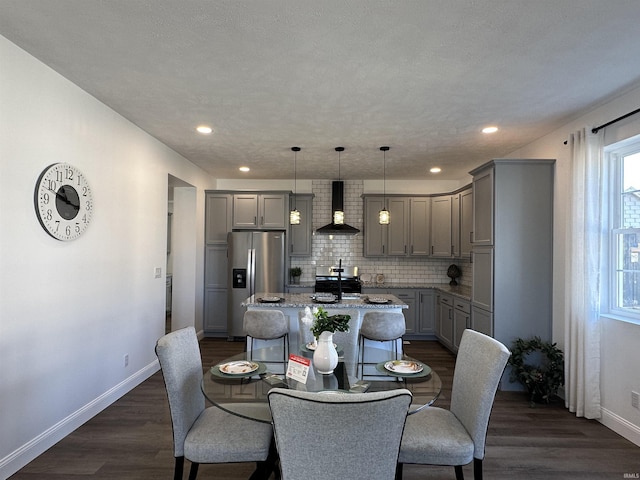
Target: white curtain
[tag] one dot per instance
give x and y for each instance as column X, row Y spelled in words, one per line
column 585, row 258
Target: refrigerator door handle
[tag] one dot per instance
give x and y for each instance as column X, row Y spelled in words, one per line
column 251, row 271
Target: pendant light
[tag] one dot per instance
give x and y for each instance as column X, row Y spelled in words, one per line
column 338, row 215
column 383, row 215
column 294, row 215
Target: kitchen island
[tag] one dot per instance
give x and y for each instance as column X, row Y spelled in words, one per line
column 291, row 304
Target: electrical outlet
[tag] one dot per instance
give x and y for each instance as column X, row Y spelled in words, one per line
column 157, row 272
column 126, row 360
column 635, row 399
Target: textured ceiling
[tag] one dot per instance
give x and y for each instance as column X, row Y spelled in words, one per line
column 420, row 76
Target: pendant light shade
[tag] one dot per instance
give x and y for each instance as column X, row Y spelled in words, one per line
column 383, row 216
column 294, row 215
column 338, row 215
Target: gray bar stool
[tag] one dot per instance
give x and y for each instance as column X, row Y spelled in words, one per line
column 267, row 325
column 381, row 327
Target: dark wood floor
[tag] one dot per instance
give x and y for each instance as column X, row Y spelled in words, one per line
column 132, row 438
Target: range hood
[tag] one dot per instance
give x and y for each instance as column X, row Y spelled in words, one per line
column 337, row 203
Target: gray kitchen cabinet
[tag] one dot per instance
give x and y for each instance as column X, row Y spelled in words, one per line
column 512, row 251
column 398, row 228
column 482, row 207
column 375, row 235
column 300, row 235
column 419, row 226
column 408, row 296
column 466, row 222
column 408, row 231
column 445, row 320
column 426, row 311
column 461, row 319
column 441, row 244
column 219, row 212
column 264, row 211
column 215, row 297
column 455, row 225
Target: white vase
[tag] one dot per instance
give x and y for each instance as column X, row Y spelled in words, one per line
column 325, row 357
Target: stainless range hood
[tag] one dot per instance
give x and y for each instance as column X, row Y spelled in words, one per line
column 337, row 203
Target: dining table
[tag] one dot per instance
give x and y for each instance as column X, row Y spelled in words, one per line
column 240, row 384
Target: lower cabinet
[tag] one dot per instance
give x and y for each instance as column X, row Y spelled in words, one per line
column 426, row 311
column 410, row 314
column 482, row 320
column 461, row 320
column 444, row 319
column 215, row 311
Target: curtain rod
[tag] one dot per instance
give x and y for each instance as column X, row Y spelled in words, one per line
column 615, row 120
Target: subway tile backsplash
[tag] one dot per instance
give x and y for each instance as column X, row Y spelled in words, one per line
column 328, row 251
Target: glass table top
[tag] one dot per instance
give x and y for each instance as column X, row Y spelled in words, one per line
column 245, row 393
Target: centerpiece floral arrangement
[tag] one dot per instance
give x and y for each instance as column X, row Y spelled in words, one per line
column 328, row 323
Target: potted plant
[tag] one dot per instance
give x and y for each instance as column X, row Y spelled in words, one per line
column 295, row 273
column 325, row 356
column 539, row 366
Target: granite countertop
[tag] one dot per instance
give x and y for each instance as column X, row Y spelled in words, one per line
column 458, row 291
column 302, row 300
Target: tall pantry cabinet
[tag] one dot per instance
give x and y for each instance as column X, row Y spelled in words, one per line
column 512, row 249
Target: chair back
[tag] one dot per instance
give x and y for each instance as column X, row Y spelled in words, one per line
column 479, row 366
column 383, row 326
column 329, row 435
column 265, row 324
column 181, row 364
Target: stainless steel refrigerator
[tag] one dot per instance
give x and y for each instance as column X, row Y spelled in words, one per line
column 256, row 265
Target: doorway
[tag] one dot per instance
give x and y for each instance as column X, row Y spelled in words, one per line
column 181, row 255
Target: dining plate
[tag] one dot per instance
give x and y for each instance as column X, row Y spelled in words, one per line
column 240, row 367
column 311, row 347
column 269, row 299
column 403, row 366
column 378, row 300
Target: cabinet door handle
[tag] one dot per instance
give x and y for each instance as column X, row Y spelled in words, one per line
column 261, row 220
column 431, row 249
column 405, row 249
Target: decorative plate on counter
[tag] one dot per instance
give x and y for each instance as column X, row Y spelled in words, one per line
column 270, row 299
column 378, row 300
column 324, row 298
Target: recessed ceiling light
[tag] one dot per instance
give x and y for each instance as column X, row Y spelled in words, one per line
column 244, row 169
column 491, row 129
column 435, row 169
column 204, row 129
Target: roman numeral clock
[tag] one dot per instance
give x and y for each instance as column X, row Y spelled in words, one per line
column 63, row 201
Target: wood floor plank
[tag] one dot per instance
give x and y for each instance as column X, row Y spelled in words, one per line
column 132, row 439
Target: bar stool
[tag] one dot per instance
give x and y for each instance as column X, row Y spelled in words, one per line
column 266, row 325
column 381, row 327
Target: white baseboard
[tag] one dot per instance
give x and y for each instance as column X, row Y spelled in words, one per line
column 38, row 445
column 621, row 426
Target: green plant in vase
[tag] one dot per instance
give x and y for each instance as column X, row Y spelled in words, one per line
column 329, row 323
column 295, row 273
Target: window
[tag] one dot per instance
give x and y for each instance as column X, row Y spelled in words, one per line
column 625, row 229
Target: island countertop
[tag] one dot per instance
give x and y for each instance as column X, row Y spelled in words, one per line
column 302, row 300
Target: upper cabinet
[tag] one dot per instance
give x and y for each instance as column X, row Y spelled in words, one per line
column 260, row 211
column 300, row 235
column 466, row 222
column 219, row 212
column 441, row 232
column 408, row 231
column 482, row 233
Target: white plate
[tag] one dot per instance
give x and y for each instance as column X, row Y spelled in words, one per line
column 403, row 366
column 269, row 299
column 240, row 367
column 378, row 300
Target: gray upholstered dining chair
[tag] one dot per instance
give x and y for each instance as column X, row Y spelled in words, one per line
column 205, row 435
column 381, row 326
column 455, row 437
column 267, row 324
column 324, row 435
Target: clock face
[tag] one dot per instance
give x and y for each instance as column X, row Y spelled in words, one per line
column 63, row 201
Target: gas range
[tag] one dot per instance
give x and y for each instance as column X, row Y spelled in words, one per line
column 327, row 280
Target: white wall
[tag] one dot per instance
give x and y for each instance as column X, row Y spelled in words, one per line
column 70, row 311
column 620, row 350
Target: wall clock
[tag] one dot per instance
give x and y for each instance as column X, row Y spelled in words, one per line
column 63, row 201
